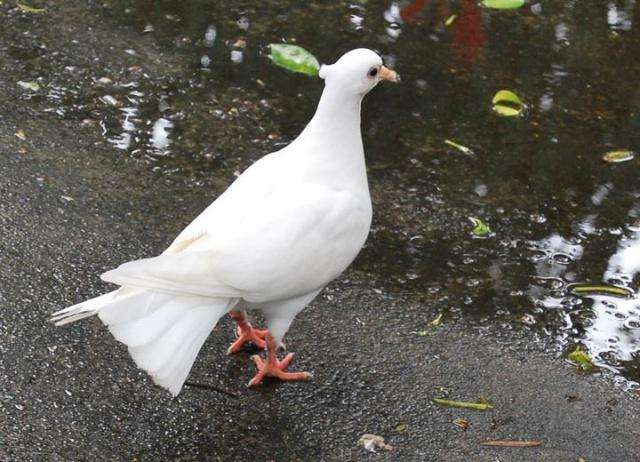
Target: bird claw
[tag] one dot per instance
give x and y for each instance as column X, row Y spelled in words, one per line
column 272, row 367
column 246, row 333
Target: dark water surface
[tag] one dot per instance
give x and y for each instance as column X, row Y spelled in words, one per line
column 557, row 212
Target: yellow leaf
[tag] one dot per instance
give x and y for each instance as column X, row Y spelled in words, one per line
column 507, row 103
column 463, row 404
column 513, row 443
column 506, row 110
column 437, row 321
column 618, row 156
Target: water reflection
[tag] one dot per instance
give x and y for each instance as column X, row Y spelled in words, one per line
column 620, row 18
column 160, row 134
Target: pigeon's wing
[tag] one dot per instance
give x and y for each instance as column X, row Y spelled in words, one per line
column 254, row 182
column 274, row 245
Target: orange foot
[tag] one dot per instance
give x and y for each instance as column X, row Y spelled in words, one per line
column 272, row 367
column 246, row 333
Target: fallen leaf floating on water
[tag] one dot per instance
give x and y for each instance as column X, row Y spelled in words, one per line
column 450, row 20
column 513, row 443
column 600, row 289
column 506, row 103
column 29, row 9
column 462, row 423
column 32, row 86
column 482, row 405
column 614, row 157
column 373, row 442
column 480, row 228
column 459, row 147
column 581, row 359
column 294, row 58
column 503, row 4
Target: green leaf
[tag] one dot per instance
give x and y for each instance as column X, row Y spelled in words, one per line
column 503, row 4
column 294, row 58
column 29, row 9
column 480, row 228
column 450, row 20
column 33, row 86
column 599, row 289
column 463, row 404
column 507, row 103
column 581, row 359
column 618, row 156
column 459, row 147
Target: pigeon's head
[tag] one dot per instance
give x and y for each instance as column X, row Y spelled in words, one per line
column 357, row 71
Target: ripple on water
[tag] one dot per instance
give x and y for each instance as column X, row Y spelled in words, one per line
column 608, row 327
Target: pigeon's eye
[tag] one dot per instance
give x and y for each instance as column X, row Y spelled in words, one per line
column 373, row 72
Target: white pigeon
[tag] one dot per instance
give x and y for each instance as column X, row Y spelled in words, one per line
column 286, row 227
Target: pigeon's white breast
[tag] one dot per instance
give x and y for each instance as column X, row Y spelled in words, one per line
column 284, row 248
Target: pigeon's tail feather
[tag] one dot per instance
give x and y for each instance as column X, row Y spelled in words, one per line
column 163, row 332
column 81, row 310
column 166, row 332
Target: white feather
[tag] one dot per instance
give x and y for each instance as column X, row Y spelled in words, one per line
column 81, row 310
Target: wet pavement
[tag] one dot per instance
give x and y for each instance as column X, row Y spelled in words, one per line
column 144, row 114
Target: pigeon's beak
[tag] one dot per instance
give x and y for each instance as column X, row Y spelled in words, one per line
column 388, row 74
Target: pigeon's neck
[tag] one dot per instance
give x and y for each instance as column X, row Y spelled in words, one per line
column 331, row 144
column 337, row 119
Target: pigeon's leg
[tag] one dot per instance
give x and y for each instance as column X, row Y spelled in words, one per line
column 246, row 333
column 272, row 367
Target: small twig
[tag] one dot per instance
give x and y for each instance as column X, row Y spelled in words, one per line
column 208, row 386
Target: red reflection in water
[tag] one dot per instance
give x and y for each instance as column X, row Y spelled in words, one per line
column 412, row 10
column 469, row 36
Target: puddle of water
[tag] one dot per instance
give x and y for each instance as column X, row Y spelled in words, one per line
column 556, row 211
